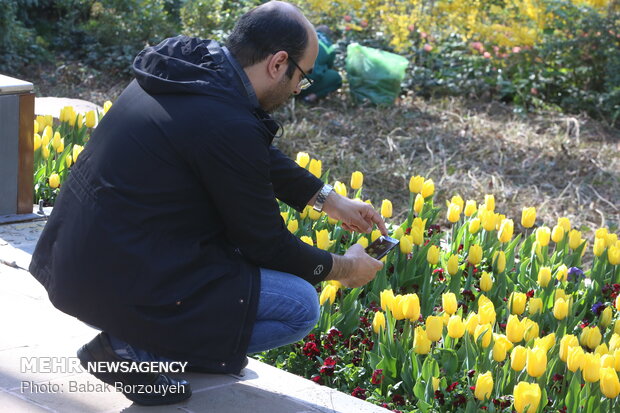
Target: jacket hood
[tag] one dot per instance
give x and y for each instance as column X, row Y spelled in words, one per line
column 188, row 65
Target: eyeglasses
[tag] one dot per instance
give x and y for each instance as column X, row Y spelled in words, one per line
column 305, row 81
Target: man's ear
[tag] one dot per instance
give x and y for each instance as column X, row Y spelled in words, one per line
column 277, row 65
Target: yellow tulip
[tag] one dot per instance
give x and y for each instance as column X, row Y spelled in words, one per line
column 484, row 386
column 106, row 106
column 566, row 343
column 307, row 240
column 506, row 230
column 363, row 241
column 574, row 239
column 378, row 322
column 528, row 217
column 428, row 188
column 470, row 208
column 536, row 361
column 436, row 382
column 90, row 119
column 514, row 329
column 410, row 306
column 80, row 120
column 560, row 309
column 486, row 313
column 486, row 281
column 453, row 264
column 499, row 261
column 544, row 276
column 531, row 329
column 487, row 219
column 526, row 397
column 316, row 167
column 614, row 342
column 432, row 256
column 565, row 224
column 517, row 302
column 562, row 273
column 591, row 367
column 602, row 350
column 454, row 213
column 397, row 308
column 421, row 343
column 386, row 208
column 415, row 184
column 574, row 360
column 601, row 233
column 374, row 235
column 328, row 293
column 418, row 204
column 606, row 316
column 590, row 337
column 284, row 215
column 610, row 385
column 456, row 327
column 56, row 140
column 474, row 225
column 449, row 303
column 518, row 357
column 37, row 141
column 406, row 244
column 417, row 236
column 54, row 181
column 434, row 327
column 340, row 188
column 456, row 199
column 545, row 342
column 293, row 225
column 543, row 235
column 322, row 239
column 500, row 348
column 475, row 254
column 36, row 126
column 611, row 239
column 357, row 180
column 486, row 331
column 419, row 223
column 386, row 297
column 535, row 306
column 489, row 203
column 599, row 246
column 68, row 160
column 557, row 234
column 302, row 159
column 613, row 255
column 617, row 328
column 70, row 116
column 77, row 150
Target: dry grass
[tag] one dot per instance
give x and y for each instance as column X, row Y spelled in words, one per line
column 562, row 165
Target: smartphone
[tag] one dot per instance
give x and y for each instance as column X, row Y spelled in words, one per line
column 381, row 247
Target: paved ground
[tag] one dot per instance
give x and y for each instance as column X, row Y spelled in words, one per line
column 39, row 370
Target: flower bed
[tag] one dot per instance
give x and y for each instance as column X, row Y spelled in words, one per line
column 466, row 318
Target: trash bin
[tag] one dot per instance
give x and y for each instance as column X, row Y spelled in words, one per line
column 16, row 146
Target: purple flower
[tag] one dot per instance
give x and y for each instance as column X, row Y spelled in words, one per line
column 574, row 272
column 598, row 308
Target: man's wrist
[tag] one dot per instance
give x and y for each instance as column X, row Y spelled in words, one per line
column 341, row 268
column 321, row 197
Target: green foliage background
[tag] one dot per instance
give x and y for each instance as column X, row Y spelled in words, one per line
column 575, row 68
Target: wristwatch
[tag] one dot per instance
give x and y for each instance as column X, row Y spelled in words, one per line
column 321, row 197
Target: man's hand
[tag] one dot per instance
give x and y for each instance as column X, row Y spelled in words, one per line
column 355, row 268
column 355, row 215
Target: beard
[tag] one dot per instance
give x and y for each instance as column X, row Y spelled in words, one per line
column 277, row 96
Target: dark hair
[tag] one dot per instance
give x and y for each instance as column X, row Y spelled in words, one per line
column 266, row 30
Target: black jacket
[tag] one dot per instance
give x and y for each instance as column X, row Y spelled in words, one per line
column 158, row 233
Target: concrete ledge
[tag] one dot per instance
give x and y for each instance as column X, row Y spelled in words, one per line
column 32, row 329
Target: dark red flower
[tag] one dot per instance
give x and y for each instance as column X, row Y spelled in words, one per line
column 471, row 373
column 317, row 379
column 311, row 350
column 558, row 377
column 530, row 293
column 398, row 400
column 359, row 393
column 452, row 386
column 377, row 376
column 472, row 388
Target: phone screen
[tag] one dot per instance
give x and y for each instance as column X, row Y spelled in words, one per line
column 381, row 247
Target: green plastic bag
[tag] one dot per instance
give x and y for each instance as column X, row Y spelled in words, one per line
column 374, row 74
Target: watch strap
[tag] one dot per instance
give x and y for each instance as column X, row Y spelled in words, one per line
column 322, row 197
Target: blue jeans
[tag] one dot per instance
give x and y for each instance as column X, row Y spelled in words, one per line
column 288, row 309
